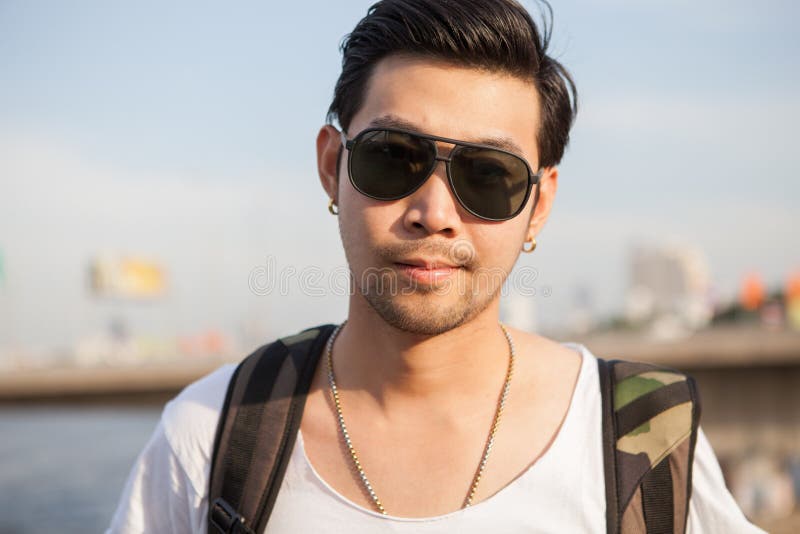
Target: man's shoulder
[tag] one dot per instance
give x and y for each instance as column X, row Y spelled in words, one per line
column 553, row 362
column 548, row 349
column 190, row 419
column 202, row 398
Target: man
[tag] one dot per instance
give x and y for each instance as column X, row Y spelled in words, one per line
column 425, row 414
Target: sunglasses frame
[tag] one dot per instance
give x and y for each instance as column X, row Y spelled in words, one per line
column 533, row 177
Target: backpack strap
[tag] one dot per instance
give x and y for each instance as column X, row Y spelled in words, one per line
column 650, row 420
column 257, row 430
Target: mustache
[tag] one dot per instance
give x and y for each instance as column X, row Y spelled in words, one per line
column 461, row 253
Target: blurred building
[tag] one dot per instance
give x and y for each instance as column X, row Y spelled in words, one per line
column 669, row 290
column 582, row 317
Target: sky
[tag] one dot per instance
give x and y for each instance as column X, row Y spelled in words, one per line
column 184, row 132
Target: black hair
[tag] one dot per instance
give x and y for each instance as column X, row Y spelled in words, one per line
column 496, row 35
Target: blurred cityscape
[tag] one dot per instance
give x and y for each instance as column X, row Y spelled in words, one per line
column 744, row 350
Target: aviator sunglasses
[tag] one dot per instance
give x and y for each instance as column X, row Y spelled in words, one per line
column 389, row 164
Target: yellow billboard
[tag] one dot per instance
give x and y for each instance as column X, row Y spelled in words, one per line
column 127, row 277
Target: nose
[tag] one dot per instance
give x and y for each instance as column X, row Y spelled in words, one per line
column 432, row 209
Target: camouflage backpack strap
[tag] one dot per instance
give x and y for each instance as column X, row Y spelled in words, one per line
column 257, row 429
column 650, row 421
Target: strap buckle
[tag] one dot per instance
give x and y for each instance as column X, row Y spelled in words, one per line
column 226, row 519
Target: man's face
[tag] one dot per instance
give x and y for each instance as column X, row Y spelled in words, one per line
column 389, row 244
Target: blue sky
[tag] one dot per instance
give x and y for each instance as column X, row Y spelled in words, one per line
column 184, row 131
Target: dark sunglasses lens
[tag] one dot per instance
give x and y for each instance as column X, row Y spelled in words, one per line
column 389, row 165
column 492, row 184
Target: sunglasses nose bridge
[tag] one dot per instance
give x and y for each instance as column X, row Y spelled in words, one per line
column 435, row 148
column 445, row 158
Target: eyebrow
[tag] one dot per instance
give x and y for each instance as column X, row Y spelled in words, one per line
column 392, row 121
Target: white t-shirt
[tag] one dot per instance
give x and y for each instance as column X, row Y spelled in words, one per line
column 563, row 491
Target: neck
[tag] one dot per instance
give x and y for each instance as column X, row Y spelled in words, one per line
column 394, row 367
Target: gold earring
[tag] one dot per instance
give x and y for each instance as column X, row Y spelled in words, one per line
column 330, row 208
column 532, row 240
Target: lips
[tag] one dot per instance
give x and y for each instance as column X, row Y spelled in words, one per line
column 428, row 264
column 426, row 271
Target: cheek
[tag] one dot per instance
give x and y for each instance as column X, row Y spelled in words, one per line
column 500, row 248
column 366, row 219
column 503, row 255
column 363, row 215
column 364, row 223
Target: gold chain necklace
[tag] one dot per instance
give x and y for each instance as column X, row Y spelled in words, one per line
column 343, row 427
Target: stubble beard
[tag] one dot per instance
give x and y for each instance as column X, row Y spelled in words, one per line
column 423, row 310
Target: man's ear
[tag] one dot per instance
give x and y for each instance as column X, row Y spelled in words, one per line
column 548, row 184
column 329, row 146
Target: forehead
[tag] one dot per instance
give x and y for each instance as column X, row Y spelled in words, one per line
column 452, row 101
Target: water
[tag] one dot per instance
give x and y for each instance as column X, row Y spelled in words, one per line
column 62, row 468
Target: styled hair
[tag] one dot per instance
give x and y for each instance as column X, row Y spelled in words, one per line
column 495, row 35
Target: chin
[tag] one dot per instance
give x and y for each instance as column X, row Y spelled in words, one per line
column 426, row 314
